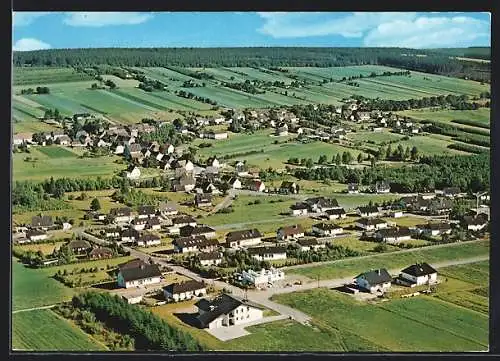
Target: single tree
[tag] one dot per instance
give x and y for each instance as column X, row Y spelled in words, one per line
column 95, row 205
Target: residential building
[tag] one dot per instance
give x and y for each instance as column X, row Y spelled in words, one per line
column 217, row 135
column 451, row 192
column 267, row 253
column 42, row 222
column 35, row 235
column 138, row 274
column 183, row 220
column 153, row 223
column 396, row 214
column 120, row 215
column 129, row 235
column 195, row 244
column 368, row 211
column 475, row 223
column 382, row 187
column 263, row 277
column 418, row 274
column 289, row 232
column 299, row 209
column 371, row 224
column 184, row 290
column 352, row 188
column 288, row 188
column 133, row 172
column 185, row 183
column 374, row 281
column 321, row 204
column 79, row 246
column 100, row 253
column 139, row 224
column 148, row 239
column 308, row 244
column 336, row 213
column 198, row 230
column 393, row 235
column 244, row 238
column 210, row 258
column 327, row 229
column 146, row 211
column 433, row 229
column 202, row 200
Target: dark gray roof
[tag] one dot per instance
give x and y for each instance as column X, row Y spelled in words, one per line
column 322, row 202
column 299, row 205
column 376, row 277
column 196, row 230
column 141, row 272
column 469, row 220
column 130, row 233
column 147, row 237
column 352, row 186
column 101, row 251
column 434, row 226
column 117, row 212
column 291, row 230
column 153, row 221
column 223, row 304
column 33, row 232
column 308, row 242
column 266, row 250
column 191, row 285
column 451, row 190
column 42, row 221
column 242, row 235
column 394, row 232
column 205, row 256
column 199, row 241
column 146, row 210
column 203, row 198
column 368, row 209
column 370, row 221
column 183, row 219
column 419, row 269
column 326, row 226
column 78, row 243
column 335, row 211
column 131, row 264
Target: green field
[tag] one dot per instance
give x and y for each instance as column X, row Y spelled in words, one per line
column 43, row 330
column 418, row 324
column 480, row 116
column 352, row 267
column 28, row 76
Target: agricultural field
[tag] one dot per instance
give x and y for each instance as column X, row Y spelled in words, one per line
column 43, row 330
column 418, row 324
column 28, row 76
column 60, row 162
column 352, row 267
column 45, row 248
column 473, row 118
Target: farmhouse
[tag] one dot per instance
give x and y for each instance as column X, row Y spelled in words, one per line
column 326, row 229
column 20, row 138
column 184, row 290
column 100, row 253
column 78, row 246
column 393, row 235
column 148, row 239
column 433, row 229
column 146, row 211
column 475, row 223
column 368, row 211
column 245, row 238
column 63, row 140
column 217, row 135
column 267, row 253
column 120, row 215
column 210, row 258
column 129, row 235
column 227, row 310
column 133, row 172
column 167, row 209
column 255, row 185
column 241, row 169
column 289, row 188
column 42, row 222
column 185, row 183
column 308, row 244
column 321, row 204
column 262, row 277
column 111, row 232
column 418, row 274
column 299, row 209
column 199, row 230
column 139, row 224
column 182, row 221
column 202, row 200
column 153, row 223
column 382, row 187
column 371, row 224
column 352, row 188
column 195, row 244
column 335, row 213
column 35, row 235
column 374, row 281
column 290, row 232
column 234, row 183
column 137, row 274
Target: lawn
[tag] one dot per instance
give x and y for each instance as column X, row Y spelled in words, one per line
column 43, row 330
column 398, row 325
column 352, row 267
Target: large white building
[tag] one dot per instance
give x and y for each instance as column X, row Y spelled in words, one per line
column 263, row 277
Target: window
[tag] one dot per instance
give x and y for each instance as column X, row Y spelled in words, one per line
column 248, row 316
column 248, row 308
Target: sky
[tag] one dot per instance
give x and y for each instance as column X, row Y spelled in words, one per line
column 52, row 30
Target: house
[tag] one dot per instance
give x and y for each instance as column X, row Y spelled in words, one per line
column 198, row 230
column 78, row 246
column 418, row 274
column 166, row 149
column 352, row 188
column 133, row 172
column 299, row 209
column 111, row 232
column 382, row 187
column 182, row 221
column 184, row 290
column 371, row 224
column 120, row 149
column 202, row 200
column 241, row 169
column 308, row 244
column 184, row 183
column 321, row 204
column 167, row 209
column 393, row 235
column 20, row 138
column 42, row 222
column 120, row 215
column 451, row 192
column 234, row 183
column 263, row 277
column 290, row 232
column 210, row 170
column 288, row 188
column 227, row 310
column 363, row 116
column 245, row 238
column 148, row 239
column 139, row 224
column 335, row 213
column 129, row 235
column 133, row 298
column 256, row 185
column 327, row 229
column 146, row 212
column 374, row 281
column 213, row 162
column 100, row 253
column 138, row 274
column 433, row 229
column 282, row 130
column 35, row 235
column 195, row 244
column 217, row 135
column 210, row 258
column 153, row 224
column 476, row 223
column 440, row 206
column 396, row 214
column 63, row 140
column 267, row 253
column 368, row 211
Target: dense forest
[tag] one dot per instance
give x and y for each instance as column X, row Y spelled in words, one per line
column 432, row 61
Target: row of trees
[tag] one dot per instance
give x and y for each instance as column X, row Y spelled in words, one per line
column 38, row 90
column 189, row 95
column 247, row 86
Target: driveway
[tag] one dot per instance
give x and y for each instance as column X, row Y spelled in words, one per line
column 232, row 332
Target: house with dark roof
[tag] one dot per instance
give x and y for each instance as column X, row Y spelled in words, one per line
column 382, row 187
column 336, row 213
column 267, row 253
column 255, row 185
column 139, row 223
column 326, row 229
column 42, row 222
column 418, row 274
column 299, row 209
column 321, row 204
column 168, row 209
column 148, row 239
column 35, row 235
column 129, row 235
column 120, row 215
column 244, row 238
column 146, row 211
column 368, row 211
column 352, row 188
column 289, row 188
column 210, row 258
column 195, row 244
column 433, row 229
column 184, row 290
column 393, row 235
column 79, row 246
column 198, row 230
column 308, row 244
column 202, row 200
column 474, row 223
column 290, row 232
column 227, row 310
column 113, row 232
column 371, row 224
column 451, row 192
column 185, row 183
column 138, row 273
column 182, row 221
column 100, row 253
column 153, row 223
column 374, row 281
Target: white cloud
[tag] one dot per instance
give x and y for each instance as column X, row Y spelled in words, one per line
column 306, row 24
column 429, row 32
column 98, row 19
column 28, row 44
column 26, row 18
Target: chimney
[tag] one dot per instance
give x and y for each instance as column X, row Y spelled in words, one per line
column 378, row 271
column 142, row 266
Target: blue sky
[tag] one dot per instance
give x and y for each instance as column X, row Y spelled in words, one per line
column 45, row 30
